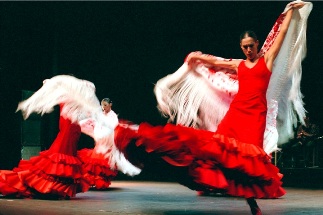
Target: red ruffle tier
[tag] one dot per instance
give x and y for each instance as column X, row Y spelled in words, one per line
column 213, row 161
column 97, row 170
column 54, row 174
column 12, row 184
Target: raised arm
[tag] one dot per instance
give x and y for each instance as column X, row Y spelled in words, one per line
column 272, row 53
column 197, row 57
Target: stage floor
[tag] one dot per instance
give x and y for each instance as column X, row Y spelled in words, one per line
column 167, row 198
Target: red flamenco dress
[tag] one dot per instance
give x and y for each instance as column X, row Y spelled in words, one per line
column 229, row 161
column 55, row 173
column 98, row 170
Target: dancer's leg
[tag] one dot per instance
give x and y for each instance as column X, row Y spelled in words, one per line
column 255, row 210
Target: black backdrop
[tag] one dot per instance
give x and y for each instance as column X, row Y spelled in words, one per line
column 125, row 47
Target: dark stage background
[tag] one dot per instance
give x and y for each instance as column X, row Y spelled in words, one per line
column 124, row 48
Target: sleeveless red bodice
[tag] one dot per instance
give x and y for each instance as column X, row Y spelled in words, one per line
column 246, row 117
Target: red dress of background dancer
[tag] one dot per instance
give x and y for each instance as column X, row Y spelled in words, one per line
column 56, row 172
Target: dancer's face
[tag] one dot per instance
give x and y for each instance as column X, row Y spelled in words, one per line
column 106, row 107
column 249, row 47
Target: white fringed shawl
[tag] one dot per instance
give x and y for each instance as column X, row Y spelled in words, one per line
column 200, row 98
column 80, row 106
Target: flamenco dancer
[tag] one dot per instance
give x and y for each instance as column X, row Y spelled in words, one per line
column 98, row 170
column 57, row 172
column 232, row 159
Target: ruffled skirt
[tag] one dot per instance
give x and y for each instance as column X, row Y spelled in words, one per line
column 97, row 170
column 54, row 173
column 49, row 175
column 205, row 161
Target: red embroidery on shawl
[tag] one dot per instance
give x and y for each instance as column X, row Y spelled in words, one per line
column 272, row 35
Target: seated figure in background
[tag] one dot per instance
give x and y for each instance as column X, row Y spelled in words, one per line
column 306, row 139
column 300, row 151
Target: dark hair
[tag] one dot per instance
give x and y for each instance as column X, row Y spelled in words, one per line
column 248, row 34
column 107, row 100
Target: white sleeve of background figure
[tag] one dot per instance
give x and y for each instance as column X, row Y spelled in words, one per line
column 113, row 119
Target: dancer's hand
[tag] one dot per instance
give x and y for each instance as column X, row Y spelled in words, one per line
column 192, row 57
column 297, row 5
column 44, row 81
